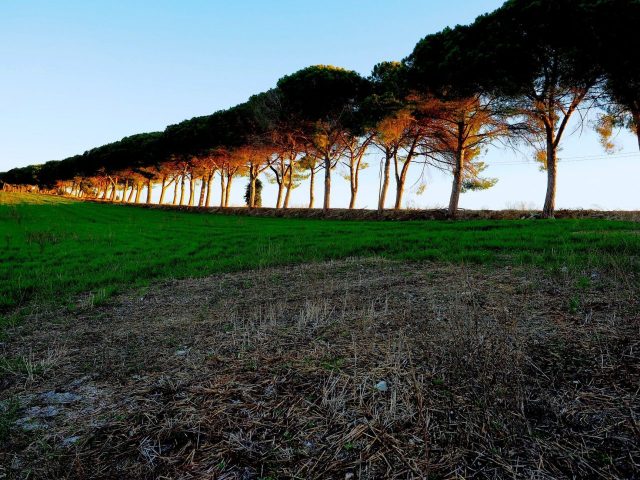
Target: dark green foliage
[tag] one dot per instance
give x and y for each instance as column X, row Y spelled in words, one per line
column 444, row 64
column 619, row 45
column 247, row 194
column 388, row 94
column 322, row 92
column 511, row 51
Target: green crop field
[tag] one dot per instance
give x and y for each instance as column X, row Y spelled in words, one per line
column 53, row 248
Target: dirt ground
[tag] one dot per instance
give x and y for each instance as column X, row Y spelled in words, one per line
column 401, row 215
column 348, row 369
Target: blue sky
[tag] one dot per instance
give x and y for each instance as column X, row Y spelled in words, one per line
column 78, row 74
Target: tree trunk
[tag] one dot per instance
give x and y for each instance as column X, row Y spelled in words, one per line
column 311, row 187
column 456, row 186
column 327, row 184
column 175, row 191
column 163, row 190
column 552, row 160
column 124, row 191
column 138, row 192
column 279, row 197
column 223, row 190
column 227, row 192
column 252, row 186
column 353, row 183
column 399, row 194
column 182, row 182
column 385, row 180
column 287, row 195
column 401, row 179
column 114, row 187
column 133, row 187
column 192, row 190
column 401, row 174
column 203, row 189
column 207, row 202
column 149, row 190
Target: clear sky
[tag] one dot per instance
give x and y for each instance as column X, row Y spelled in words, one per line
column 77, row 74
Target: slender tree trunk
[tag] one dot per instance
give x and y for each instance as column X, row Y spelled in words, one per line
column 456, row 186
column 252, row 186
column 149, row 190
column 289, row 186
column 287, row 195
column 163, row 190
column 192, row 190
column 138, row 192
column 279, row 197
column 182, row 184
column 385, row 179
column 401, row 174
column 223, row 191
column 399, row 193
column 124, row 191
column 175, row 191
column 312, row 182
column 203, row 191
column 114, row 188
column 552, row 160
column 130, row 196
column 327, row 184
column 207, row 202
column 227, row 192
column 353, row 183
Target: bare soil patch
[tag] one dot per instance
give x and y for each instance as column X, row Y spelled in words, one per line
column 349, row 369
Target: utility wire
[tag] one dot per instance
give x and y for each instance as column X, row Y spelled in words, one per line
column 586, row 158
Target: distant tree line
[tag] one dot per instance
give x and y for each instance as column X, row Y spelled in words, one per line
column 515, row 76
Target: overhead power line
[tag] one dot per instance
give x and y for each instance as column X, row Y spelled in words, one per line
column 585, row 158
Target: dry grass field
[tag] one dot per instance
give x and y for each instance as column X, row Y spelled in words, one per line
column 356, row 368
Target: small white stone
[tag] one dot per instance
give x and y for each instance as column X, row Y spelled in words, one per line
column 382, row 386
column 67, row 442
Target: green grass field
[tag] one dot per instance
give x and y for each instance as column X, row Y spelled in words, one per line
column 55, row 249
